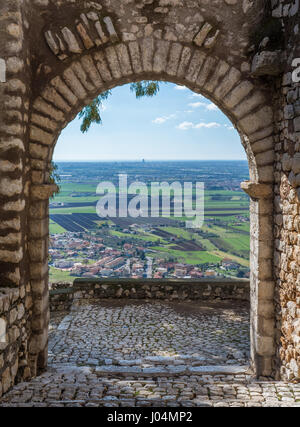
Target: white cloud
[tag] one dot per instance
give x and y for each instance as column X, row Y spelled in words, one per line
column 207, row 125
column 197, row 104
column 177, row 87
column 212, row 107
column 196, row 95
column 229, row 127
column 190, row 125
column 209, row 107
column 163, row 119
column 159, row 120
column 185, row 126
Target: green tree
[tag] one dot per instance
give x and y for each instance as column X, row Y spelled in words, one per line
column 92, row 112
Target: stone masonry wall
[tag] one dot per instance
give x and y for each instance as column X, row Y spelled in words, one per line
column 13, row 338
column 287, row 198
column 63, row 295
column 15, row 291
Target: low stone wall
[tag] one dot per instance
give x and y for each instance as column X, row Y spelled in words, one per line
column 12, row 335
column 63, row 295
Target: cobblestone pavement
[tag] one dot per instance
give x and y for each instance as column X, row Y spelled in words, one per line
column 146, row 334
column 150, row 354
column 83, row 387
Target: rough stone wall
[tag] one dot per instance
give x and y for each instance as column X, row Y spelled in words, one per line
column 15, row 87
column 13, row 117
column 13, row 338
column 287, row 198
column 63, row 295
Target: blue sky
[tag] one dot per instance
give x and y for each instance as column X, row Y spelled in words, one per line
column 177, row 124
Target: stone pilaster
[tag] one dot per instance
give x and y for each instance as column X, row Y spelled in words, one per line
column 262, row 281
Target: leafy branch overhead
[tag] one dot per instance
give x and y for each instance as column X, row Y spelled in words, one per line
column 92, row 112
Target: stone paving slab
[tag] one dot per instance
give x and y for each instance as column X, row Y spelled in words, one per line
column 172, row 370
column 81, row 386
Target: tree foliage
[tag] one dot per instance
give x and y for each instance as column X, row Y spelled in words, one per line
column 54, row 177
column 92, row 112
column 145, row 88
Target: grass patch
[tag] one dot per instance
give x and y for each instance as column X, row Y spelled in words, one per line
column 192, row 258
column 147, row 237
column 56, row 275
column 82, row 209
column 179, row 232
column 55, row 228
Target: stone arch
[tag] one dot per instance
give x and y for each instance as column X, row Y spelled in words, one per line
column 246, row 104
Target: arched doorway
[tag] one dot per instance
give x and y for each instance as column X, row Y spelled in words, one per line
column 77, row 83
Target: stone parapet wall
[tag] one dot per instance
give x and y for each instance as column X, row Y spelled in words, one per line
column 63, row 295
column 13, row 338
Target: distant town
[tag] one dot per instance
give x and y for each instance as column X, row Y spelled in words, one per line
column 85, row 245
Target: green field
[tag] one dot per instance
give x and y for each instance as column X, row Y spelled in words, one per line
column 230, row 240
column 236, row 240
column 231, row 199
column 74, row 187
column 81, row 209
column 243, row 227
column 179, row 232
column 192, row 258
column 55, row 228
column 56, row 275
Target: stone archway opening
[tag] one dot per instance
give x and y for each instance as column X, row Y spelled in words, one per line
column 225, row 339
column 247, row 107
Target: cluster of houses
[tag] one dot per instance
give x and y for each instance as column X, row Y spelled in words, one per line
column 85, row 255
